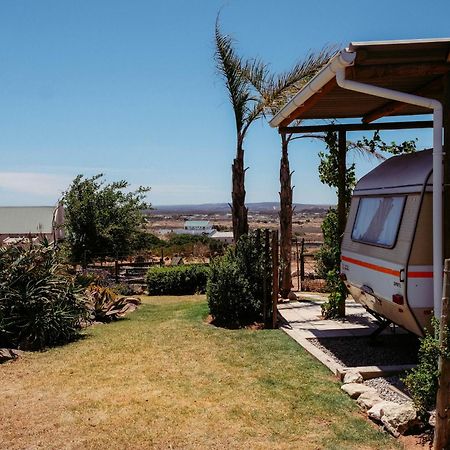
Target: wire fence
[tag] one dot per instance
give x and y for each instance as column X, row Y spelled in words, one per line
column 304, row 266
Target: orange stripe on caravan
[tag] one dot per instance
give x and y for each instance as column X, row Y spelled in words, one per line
column 382, row 269
column 420, row 274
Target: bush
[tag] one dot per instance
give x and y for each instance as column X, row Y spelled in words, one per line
column 39, row 305
column 422, row 381
column 179, row 280
column 328, row 266
column 235, row 285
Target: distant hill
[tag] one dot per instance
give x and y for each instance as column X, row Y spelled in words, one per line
column 224, row 208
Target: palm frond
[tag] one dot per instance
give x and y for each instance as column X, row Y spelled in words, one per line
column 281, row 88
column 229, row 65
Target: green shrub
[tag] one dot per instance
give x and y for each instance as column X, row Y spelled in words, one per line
column 39, row 305
column 422, row 381
column 235, row 285
column 178, row 280
column 328, row 266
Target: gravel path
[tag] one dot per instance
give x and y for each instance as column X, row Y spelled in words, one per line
column 384, row 388
column 362, row 351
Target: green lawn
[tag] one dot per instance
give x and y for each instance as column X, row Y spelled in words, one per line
column 163, row 378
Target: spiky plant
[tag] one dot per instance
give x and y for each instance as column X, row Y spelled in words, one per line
column 39, row 305
column 105, row 305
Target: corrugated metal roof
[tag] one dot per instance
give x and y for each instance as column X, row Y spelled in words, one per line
column 26, row 219
column 403, row 173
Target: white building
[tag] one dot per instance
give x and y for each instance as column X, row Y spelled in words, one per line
column 198, row 227
column 223, row 236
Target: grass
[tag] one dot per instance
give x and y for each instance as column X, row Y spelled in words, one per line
column 163, row 378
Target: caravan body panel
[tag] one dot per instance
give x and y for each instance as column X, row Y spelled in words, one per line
column 387, row 244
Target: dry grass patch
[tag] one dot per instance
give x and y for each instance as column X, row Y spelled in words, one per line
column 163, row 378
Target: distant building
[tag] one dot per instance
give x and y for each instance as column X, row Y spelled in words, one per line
column 20, row 223
column 203, row 226
column 223, row 236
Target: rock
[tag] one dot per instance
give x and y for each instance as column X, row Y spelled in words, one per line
column 353, row 376
column 432, row 418
column 368, row 399
column 377, row 410
column 292, row 296
column 356, row 389
column 399, row 418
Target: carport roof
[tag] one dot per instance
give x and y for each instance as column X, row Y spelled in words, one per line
column 411, row 66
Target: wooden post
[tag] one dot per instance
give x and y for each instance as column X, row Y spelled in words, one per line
column 275, row 278
column 266, row 280
column 341, row 206
column 442, row 430
column 302, row 261
column 116, row 270
column 298, row 265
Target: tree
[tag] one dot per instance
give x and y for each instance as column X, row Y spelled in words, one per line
column 253, row 91
column 102, row 219
column 246, row 110
column 275, row 91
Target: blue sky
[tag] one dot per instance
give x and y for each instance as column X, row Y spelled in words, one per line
column 129, row 88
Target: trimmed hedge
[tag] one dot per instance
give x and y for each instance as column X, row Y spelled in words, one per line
column 179, row 280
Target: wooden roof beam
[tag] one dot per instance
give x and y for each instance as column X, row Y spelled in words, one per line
column 393, row 107
column 381, row 72
column 403, row 125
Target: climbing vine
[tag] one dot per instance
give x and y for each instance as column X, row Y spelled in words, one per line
column 331, row 173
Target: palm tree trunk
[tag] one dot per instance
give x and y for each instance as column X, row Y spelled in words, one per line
column 238, row 208
column 285, row 219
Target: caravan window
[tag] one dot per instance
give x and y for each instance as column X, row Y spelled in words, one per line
column 377, row 220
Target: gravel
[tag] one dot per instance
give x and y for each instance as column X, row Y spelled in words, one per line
column 385, row 391
column 386, row 350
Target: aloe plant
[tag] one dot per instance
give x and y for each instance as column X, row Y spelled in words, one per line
column 105, row 305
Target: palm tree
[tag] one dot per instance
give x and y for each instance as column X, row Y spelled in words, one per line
column 246, row 110
column 253, row 91
column 276, row 90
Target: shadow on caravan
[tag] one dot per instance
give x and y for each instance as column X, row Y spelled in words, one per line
column 387, row 251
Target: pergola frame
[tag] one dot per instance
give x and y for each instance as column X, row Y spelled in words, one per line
column 403, row 125
column 370, row 80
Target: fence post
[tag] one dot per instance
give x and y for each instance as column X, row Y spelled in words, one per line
column 275, row 278
column 298, row 264
column 116, row 270
column 442, row 429
column 266, row 281
column 302, row 261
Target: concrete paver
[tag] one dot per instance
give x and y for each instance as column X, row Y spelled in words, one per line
column 302, row 320
column 305, row 316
